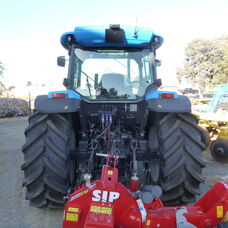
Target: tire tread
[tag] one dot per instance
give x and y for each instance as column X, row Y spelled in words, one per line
column 46, row 163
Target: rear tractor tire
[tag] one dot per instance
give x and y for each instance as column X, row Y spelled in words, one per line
column 180, row 146
column 48, row 170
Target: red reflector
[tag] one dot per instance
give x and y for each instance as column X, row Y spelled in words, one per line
column 167, row 95
column 59, row 95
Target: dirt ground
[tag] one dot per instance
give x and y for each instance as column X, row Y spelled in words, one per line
column 15, row 211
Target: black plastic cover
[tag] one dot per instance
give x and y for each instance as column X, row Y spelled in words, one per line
column 56, row 105
column 173, row 105
column 114, row 35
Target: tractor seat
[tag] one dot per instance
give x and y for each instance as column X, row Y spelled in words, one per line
column 116, row 81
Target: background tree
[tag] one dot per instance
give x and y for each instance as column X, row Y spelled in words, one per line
column 222, row 74
column 2, row 87
column 2, row 68
column 205, row 63
column 6, row 91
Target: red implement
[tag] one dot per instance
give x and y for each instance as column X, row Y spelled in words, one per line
column 106, row 203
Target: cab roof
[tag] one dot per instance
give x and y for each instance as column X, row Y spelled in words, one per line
column 114, row 36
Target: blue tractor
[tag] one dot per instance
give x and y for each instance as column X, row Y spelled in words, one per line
column 112, row 105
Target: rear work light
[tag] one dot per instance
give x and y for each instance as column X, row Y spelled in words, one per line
column 167, row 95
column 59, row 95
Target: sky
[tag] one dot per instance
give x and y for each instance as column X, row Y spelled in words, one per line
column 30, row 31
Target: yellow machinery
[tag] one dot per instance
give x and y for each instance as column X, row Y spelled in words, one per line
column 215, row 128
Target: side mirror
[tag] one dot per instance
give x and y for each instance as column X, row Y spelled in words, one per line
column 66, row 82
column 158, row 82
column 157, row 62
column 61, row 61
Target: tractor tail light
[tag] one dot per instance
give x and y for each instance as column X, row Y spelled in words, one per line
column 59, row 95
column 167, row 95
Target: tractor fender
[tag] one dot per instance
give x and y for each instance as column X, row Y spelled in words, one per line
column 172, row 105
column 46, row 104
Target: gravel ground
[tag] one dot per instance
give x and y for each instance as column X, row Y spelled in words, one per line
column 15, row 211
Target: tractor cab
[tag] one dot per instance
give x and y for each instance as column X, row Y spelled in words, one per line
column 111, row 63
